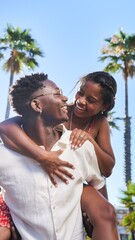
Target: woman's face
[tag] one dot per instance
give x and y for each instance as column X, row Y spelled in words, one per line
column 89, row 100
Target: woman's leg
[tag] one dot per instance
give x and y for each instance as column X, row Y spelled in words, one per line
column 5, row 220
column 104, row 192
column 9, row 234
column 5, row 233
column 8, row 230
column 101, row 214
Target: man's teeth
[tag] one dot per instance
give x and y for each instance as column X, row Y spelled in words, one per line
column 64, row 108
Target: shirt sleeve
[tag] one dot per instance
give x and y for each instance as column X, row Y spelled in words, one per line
column 94, row 177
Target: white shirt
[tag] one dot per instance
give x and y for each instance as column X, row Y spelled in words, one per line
column 39, row 210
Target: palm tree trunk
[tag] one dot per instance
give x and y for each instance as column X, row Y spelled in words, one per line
column 127, row 137
column 8, row 103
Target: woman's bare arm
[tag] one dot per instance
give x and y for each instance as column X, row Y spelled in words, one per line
column 16, row 139
column 106, row 157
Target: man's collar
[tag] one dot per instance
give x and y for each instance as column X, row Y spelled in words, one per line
column 64, row 139
column 61, row 128
column 65, row 134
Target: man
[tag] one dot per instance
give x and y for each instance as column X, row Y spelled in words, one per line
column 40, row 210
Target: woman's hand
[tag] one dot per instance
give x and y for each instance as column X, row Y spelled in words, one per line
column 54, row 166
column 78, row 137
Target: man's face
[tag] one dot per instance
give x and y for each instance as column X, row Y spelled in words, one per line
column 53, row 103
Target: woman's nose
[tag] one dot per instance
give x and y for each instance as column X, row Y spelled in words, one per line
column 82, row 100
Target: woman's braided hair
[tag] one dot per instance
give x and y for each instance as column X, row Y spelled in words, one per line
column 108, row 84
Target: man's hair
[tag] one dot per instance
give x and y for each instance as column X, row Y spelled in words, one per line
column 20, row 93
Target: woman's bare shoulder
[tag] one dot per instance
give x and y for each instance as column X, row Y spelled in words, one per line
column 99, row 125
column 100, row 121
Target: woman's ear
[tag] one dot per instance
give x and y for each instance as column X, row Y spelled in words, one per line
column 106, row 107
column 35, row 104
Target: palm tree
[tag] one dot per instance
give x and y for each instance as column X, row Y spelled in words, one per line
column 112, row 121
column 128, row 201
column 21, row 50
column 120, row 51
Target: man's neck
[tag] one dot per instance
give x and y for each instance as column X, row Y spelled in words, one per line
column 40, row 133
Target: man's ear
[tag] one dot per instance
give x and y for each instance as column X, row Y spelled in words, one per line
column 35, row 104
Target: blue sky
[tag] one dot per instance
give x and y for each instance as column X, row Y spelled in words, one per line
column 71, row 34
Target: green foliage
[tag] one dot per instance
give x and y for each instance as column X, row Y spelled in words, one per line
column 88, row 238
column 112, row 67
column 21, row 50
column 128, row 195
column 129, row 221
column 119, row 51
column 112, row 120
column 128, row 200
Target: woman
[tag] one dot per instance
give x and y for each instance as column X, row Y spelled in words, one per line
column 87, row 120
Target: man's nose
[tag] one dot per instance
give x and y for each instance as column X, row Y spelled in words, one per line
column 65, row 99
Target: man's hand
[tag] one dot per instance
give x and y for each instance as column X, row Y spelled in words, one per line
column 54, row 166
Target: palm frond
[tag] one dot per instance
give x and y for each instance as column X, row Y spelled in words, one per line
column 22, row 50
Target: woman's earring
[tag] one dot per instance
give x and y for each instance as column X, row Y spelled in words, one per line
column 40, row 111
column 102, row 112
